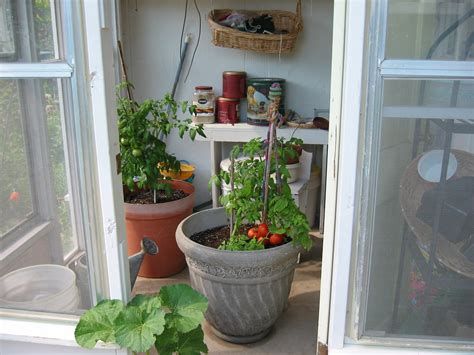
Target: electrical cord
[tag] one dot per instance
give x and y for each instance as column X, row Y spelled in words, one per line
column 198, row 40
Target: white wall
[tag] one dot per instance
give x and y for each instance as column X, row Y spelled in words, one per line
column 151, row 31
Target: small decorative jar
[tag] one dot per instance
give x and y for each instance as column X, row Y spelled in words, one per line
column 234, row 84
column 228, row 110
column 204, row 100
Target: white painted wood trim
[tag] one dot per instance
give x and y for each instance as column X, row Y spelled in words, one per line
column 55, row 69
column 243, row 132
column 102, row 89
column 41, row 329
column 356, row 349
column 337, row 67
column 343, row 230
column 426, row 69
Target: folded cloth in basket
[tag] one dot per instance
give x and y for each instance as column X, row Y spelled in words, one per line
column 456, row 221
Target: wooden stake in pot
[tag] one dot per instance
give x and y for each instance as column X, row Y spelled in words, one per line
column 274, row 116
column 231, row 172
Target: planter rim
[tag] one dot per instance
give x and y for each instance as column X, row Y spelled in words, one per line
column 178, row 182
column 164, row 209
column 276, row 250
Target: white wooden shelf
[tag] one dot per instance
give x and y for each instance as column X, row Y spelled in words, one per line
column 243, row 132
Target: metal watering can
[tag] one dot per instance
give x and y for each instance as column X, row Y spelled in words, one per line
column 135, row 261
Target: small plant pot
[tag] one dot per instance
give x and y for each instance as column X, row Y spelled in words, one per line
column 247, row 290
column 159, row 222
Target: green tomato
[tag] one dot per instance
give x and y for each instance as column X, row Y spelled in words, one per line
column 123, row 141
column 137, row 153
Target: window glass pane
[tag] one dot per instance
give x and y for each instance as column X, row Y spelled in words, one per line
column 26, row 31
column 421, row 280
column 42, row 260
column 16, row 205
column 430, row 29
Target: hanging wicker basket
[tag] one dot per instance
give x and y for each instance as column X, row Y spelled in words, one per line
column 290, row 22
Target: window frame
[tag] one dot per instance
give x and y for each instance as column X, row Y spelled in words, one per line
column 94, row 139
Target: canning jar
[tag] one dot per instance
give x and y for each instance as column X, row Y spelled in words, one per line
column 204, row 100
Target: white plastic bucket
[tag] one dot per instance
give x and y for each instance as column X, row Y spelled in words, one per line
column 50, row 288
column 312, row 196
column 294, row 170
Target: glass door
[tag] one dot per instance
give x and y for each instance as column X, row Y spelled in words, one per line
column 414, row 267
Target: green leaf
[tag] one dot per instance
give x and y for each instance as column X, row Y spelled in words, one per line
column 280, row 205
column 146, row 303
column 187, row 307
column 136, row 329
column 167, row 342
column 98, row 324
column 184, row 106
column 192, row 134
column 191, row 343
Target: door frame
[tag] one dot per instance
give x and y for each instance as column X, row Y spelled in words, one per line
column 345, row 107
column 352, row 64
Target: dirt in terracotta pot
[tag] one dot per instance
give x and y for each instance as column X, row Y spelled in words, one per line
column 146, row 197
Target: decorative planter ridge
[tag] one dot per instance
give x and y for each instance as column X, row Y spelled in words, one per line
column 247, row 291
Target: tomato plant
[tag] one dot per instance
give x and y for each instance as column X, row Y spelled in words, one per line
column 245, row 201
column 142, row 127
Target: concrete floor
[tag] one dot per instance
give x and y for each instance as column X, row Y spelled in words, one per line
column 294, row 333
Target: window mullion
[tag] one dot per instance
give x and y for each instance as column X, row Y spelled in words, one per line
column 421, row 69
column 56, row 69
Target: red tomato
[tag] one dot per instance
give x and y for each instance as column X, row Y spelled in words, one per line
column 14, row 196
column 252, row 233
column 262, row 230
column 263, row 240
column 276, row 239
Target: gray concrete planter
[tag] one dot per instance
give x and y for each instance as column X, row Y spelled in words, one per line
column 247, row 291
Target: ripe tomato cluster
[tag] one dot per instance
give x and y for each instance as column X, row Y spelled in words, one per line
column 263, row 235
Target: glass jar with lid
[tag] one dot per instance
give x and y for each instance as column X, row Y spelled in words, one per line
column 204, row 100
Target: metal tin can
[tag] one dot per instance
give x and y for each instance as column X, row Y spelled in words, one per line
column 233, row 84
column 204, row 100
column 258, row 101
column 228, row 110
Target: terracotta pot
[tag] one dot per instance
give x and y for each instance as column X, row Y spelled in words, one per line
column 159, row 222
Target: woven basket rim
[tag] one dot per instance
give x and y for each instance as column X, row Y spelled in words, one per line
column 290, row 35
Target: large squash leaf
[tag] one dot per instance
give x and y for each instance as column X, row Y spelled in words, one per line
column 190, row 343
column 186, row 305
column 98, row 324
column 136, row 329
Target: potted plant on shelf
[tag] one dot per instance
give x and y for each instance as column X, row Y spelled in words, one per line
column 169, row 321
column 154, row 205
column 242, row 256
